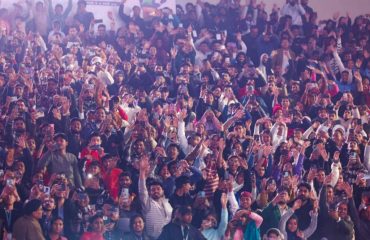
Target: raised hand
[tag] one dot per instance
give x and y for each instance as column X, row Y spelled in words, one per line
column 328, row 179
column 21, row 142
column 224, row 200
column 297, row 204
column 221, row 144
column 238, row 36
column 173, row 52
column 167, row 122
column 300, row 234
column 357, row 76
column 182, row 114
column 311, row 174
column 57, row 114
column 348, row 189
column 276, row 199
column 239, row 114
column 336, row 156
column 144, row 165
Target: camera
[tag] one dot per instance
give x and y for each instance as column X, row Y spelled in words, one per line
column 63, row 187
column 10, row 182
column 95, row 147
column 46, row 190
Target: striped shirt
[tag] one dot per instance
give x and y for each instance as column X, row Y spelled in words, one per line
column 157, row 213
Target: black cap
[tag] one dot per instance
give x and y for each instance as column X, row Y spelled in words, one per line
column 93, row 164
column 184, row 210
column 76, row 119
column 60, row 135
column 32, row 206
column 106, row 157
column 333, row 207
column 283, row 189
column 180, row 181
column 304, row 184
column 82, row 2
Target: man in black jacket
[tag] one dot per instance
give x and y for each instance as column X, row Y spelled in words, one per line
column 360, row 220
column 338, row 224
column 180, row 227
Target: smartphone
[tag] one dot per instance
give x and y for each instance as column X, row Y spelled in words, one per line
column 195, row 34
column 366, row 177
column 95, row 147
column 10, row 182
column 46, row 190
column 125, row 193
column 1, row 172
column 181, row 25
column 90, row 86
column 51, row 128
column 256, row 138
column 81, row 195
column 98, row 21
column 202, row 194
column 284, row 152
column 91, row 207
column 13, row 99
column 63, row 187
column 286, row 174
column 18, row 175
column 40, row 114
column 227, row 175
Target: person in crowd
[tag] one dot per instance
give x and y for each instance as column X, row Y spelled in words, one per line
column 11, row 211
column 28, row 226
column 56, row 230
column 221, row 121
column 180, row 227
column 60, row 161
column 156, row 208
column 273, row 212
column 289, row 224
column 209, row 224
column 96, row 229
column 137, row 226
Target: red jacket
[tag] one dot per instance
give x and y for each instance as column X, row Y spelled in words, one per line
column 111, row 182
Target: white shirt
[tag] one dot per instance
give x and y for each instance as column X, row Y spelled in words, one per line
column 295, row 11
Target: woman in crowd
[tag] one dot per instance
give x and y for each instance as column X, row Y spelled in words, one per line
column 225, row 111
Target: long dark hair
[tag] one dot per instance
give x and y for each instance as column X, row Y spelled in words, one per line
column 132, row 220
column 53, row 220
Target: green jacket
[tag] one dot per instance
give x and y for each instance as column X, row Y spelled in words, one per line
column 271, row 218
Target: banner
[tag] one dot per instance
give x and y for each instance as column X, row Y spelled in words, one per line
column 107, row 9
column 101, row 8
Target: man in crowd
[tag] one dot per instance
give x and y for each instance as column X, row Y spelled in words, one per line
column 224, row 113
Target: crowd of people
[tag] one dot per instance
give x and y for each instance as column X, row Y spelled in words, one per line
column 218, row 122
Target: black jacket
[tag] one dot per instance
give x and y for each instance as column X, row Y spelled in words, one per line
column 362, row 227
column 173, row 231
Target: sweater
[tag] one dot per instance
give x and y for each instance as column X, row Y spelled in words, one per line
column 57, row 163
